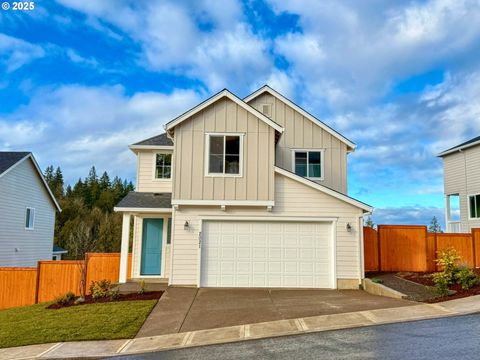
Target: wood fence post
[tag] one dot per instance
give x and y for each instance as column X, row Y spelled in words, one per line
column 473, row 249
column 86, row 273
column 379, row 249
column 435, row 253
column 37, row 284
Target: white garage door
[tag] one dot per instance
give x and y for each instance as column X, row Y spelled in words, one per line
column 266, row 254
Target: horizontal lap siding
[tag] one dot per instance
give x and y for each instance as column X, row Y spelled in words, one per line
column 302, row 133
column 145, row 178
column 224, row 116
column 291, row 199
column 21, row 188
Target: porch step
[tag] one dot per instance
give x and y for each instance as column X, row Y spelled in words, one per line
column 133, row 285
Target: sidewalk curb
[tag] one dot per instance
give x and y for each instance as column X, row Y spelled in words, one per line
column 246, row 332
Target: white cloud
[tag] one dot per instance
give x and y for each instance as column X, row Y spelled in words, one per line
column 14, row 52
column 77, row 127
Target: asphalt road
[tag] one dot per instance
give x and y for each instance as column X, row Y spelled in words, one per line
column 448, row 338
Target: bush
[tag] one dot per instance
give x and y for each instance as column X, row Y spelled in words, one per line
column 65, row 298
column 143, row 287
column 448, row 260
column 114, row 294
column 442, row 280
column 465, row 277
column 100, row 289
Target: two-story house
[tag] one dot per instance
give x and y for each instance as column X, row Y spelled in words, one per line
column 27, row 212
column 244, row 193
column 461, row 177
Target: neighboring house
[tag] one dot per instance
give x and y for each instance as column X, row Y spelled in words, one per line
column 244, row 193
column 27, row 211
column 58, row 252
column 461, row 177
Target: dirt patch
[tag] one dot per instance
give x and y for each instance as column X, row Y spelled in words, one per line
column 426, row 280
column 149, row 295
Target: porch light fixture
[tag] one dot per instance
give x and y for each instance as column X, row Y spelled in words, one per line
column 186, row 226
column 349, row 227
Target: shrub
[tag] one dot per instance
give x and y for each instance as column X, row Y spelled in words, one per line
column 465, row 277
column 442, row 280
column 65, row 298
column 143, row 287
column 377, row 280
column 448, row 260
column 100, row 289
column 114, row 294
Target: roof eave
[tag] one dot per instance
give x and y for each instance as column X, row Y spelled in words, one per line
column 458, row 149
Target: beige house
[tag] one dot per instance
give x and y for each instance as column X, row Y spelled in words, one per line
column 244, row 193
column 461, row 175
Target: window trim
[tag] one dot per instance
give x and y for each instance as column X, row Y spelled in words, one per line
column 32, row 211
column 322, row 162
column 154, row 161
column 468, row 208
column 207, row 154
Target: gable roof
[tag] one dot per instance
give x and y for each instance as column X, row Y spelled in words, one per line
column 224, row 93
column 470, row 143
column 302, row 111
column 144, row 200
column 365, row 207
column 10, row 159
column 161, row 141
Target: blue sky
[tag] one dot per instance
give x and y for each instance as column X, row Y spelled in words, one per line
column 80, row 80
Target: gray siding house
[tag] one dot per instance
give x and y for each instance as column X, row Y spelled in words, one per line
column 27, row 211
column 461, row 174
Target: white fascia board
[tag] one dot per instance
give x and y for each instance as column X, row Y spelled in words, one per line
column 306, row 114
column 324, row 189
column 223, row 202
column 136, row 148
column 457, row 149
column 224, row 93
column 143, row 210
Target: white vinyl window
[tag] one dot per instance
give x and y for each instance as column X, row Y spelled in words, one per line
column 308, row 163
column 29, row 218
column 163, row 166
column 474, row 206
column 224, row 154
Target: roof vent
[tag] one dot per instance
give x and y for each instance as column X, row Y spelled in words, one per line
column 267, row 110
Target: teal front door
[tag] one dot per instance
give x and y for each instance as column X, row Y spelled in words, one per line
column 152, row 239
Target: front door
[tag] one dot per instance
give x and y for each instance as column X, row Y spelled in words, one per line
column 152, row 247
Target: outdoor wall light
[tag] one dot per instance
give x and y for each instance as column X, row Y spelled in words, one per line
column 349, row 227
column 186, row 226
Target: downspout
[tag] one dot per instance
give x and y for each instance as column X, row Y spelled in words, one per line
column 361, row 246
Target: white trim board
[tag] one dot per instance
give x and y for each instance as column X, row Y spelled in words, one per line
column 307, row 115
column 31, row 157
column 458, row 148
column 142, row 210
column 150, row 147
column 324, row 189
column 224, row 93
column 223, row 202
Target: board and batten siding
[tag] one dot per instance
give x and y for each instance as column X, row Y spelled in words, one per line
column 146, row 181
column 291, row 199
column 20, row 188
column 224, row 116
column 462, row 176
column 302, row 133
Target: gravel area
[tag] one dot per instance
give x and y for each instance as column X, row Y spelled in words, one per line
column 414, row 291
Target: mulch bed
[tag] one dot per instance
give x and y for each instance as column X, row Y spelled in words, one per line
column 149, row 295
column 426, row 280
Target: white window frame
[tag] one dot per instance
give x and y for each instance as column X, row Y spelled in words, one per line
column 322, row 162
column 207, row 154
column 155, row 153
column 32, row 211
column 468, row 207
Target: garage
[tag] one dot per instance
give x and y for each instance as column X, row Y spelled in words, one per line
column 278, row 254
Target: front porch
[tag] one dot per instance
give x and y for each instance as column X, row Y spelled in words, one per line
column 149, row 238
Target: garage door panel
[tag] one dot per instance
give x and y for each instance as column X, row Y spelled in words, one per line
column 266, row 254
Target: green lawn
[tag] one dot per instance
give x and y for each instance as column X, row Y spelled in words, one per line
column 35, row 325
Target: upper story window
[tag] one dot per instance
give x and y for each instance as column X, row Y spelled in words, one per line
column 474, row 206
column 29, row 218
column 163, row 166
column 308, row 163
column 224, row 154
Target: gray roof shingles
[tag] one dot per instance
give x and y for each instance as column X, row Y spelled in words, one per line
column 158, row 140
column 148, row 200
column 10, row 158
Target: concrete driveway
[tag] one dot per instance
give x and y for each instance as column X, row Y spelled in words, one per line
column 189, row 309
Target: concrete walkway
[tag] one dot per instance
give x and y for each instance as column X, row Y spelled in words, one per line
column 245, row 332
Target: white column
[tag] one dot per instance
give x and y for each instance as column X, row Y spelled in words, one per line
column 124, row 248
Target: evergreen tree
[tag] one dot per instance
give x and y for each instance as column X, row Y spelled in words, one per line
column 369, row 223
column 434, row 226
